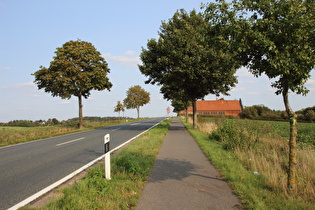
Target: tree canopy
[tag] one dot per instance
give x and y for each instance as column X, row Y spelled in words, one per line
column 76, row 69
column 186, row 60
column 275, row 38
column 119, row 107
column 280, row 44
column 136, row 97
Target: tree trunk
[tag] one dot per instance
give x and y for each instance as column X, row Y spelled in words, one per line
column 186, row 115
column 80, row 111
column 194, row 104
column 292, row 144
column 138, row 111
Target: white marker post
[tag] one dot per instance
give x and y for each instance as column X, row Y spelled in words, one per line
column 107, row 156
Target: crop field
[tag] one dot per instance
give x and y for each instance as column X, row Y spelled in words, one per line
column 13, row 135
column 259, row 152
column 306, row 131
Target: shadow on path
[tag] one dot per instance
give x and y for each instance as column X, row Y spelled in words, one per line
column 174, row 169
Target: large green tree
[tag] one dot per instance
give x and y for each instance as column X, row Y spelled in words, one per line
column 281, row 45
column 136, row 97
column 277, row 38
column 76, row 69
column 185, row 59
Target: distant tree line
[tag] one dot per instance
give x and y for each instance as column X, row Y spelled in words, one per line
column 260, row 112
column 54, row 121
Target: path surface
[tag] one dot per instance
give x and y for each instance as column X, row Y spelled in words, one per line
column 183, row 178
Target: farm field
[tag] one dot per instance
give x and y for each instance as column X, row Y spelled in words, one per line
column 253, row 156
column 14, row 135
column 306, row 131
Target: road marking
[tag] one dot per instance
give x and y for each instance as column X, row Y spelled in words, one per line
column 56, row 184
column 68, row 142
column 135, row 124
column 115, row 129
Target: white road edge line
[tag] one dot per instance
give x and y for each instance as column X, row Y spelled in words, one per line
column 68, row 142
column 134, row 124
column 56, row 184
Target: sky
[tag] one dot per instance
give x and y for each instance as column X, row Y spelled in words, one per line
column 30, row 32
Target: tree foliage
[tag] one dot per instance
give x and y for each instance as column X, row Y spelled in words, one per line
column 119, row 107
column 76, row 69
column 186, row 60
column 136, row 97
column 276, row 38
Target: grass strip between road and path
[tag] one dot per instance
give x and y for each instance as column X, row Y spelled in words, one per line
column 251, row 188
column 130, row 168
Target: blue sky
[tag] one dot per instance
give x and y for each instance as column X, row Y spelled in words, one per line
column 32, row 30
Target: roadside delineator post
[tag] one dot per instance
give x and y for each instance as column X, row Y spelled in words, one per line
column 107, row 156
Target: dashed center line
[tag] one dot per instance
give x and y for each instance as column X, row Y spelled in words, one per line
column 68, row 142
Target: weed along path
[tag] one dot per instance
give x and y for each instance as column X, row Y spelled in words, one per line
column 28, row 168
column 183, row 178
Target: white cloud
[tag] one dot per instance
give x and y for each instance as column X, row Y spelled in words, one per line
column 64, row 102
column 253, row 93
column 5, row 68
column 244, row 73
column 20, row 85
column 91, row 99
column 236, row 89
column 128, row 58
column 23, row 85
column 310, row 82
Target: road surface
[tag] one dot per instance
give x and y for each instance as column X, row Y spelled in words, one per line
column 27, row 168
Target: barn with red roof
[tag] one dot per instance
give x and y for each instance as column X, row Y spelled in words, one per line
column 217, row 107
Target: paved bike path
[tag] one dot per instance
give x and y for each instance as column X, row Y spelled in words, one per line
column 183, row 178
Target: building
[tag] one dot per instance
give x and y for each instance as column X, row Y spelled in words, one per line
column 217, row 107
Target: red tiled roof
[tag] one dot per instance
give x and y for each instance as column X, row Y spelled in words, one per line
column 218, row 105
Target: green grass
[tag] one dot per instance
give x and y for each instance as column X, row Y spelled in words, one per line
column 130, row 169
column 253, row 190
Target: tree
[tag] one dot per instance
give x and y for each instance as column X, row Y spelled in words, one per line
column 279, row 41
column 180, row 100
column 119, row 108
column 136, row 97
column 180, row 105
column 186, row 59
column 310, row 115
column 76, row 69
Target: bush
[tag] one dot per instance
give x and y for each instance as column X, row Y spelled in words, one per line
column 234, row 137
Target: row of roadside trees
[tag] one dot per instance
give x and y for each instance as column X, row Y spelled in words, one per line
column 198, row 53
column 136, row 97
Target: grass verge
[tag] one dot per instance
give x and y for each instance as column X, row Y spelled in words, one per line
column 251, row 187
column 130, row 169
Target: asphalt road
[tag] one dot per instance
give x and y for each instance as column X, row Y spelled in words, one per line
column 28, row 168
